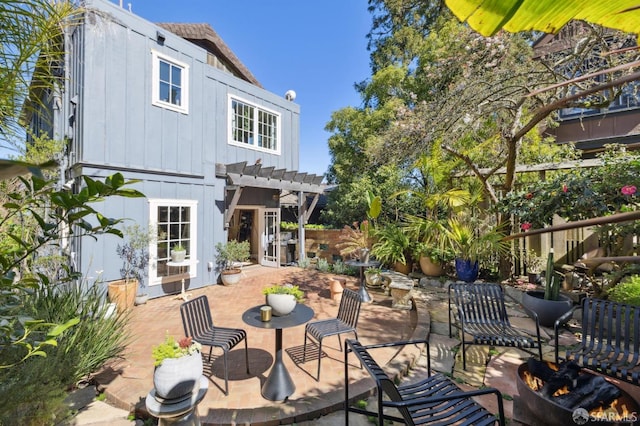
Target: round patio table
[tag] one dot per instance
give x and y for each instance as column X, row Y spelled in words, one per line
column 279, row 385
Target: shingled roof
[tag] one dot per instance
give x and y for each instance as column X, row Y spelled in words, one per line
column 204, row 36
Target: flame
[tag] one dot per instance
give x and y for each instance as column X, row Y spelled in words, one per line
column 617, row 411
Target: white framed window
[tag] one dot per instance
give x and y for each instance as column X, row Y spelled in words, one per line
column 170, row 83
column 254, row 127
column 176, row 223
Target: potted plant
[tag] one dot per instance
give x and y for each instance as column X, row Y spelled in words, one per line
column 134, row 253
column 548, row 305
column 373, row 277
column 534, row 264
column 432, row 258
column 230, row 255
column 356, row 240
column 393, row 248
column 473, row 243
column 178, row 367
column 431, row 249
column 178, row 253
column 283, row 298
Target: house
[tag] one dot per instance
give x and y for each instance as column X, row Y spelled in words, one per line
column 171, row 106
column 590, row 129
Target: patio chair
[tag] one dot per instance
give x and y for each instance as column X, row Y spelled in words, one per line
column 345, row 322
column 434, row 400
column 481, row 314
column 197, row 322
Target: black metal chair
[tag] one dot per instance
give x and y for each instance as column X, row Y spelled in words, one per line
column 198, row 324
column 481, row 313
column 345, row 322
column 434, row 400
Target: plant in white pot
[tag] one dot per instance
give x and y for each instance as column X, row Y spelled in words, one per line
column 230, row 257
column 178, row 367
column 178, row 253
column 134, row 253
column 283, row 298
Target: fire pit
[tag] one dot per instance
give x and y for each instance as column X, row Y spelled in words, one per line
column 561, row 405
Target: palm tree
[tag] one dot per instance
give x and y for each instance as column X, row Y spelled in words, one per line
column 31, row 45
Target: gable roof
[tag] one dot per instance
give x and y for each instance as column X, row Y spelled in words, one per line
column 204, row 36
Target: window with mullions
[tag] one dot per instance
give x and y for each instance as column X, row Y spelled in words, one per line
column 176, row 224
column 253, row 127
column 170, row 83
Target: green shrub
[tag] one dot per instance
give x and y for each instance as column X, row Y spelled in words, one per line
column 628, row 291
column 323, row 265
column 34, row 394
column 304, row 263
column 339, row 267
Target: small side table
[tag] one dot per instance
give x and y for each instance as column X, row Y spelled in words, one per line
column 181, row 265
column 183, row 412
column 279, row 385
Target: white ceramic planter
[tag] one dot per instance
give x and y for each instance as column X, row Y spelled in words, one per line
column 230, row 276
column 176, row 378
column 178, row 255
column 281, row 304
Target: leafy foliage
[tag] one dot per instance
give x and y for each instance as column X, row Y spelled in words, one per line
column 171, row 348
column 356, row 237
column 293, row 290
column 627, row 291
column 392, row 245
column 231, row 252
column 581, row 193
column 34, row 219
column 134, row 252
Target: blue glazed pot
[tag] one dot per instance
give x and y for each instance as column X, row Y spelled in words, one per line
column 467, row 270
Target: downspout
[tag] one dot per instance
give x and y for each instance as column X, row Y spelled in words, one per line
column 302, row 206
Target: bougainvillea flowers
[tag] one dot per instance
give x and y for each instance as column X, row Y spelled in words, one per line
column 628, row 190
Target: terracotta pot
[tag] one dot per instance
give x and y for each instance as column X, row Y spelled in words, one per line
column 176, row 378
column 430, row 267
column 281, row 304
column 123, row 293
column 403, row 268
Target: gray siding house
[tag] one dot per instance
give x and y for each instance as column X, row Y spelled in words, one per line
column 172, row 106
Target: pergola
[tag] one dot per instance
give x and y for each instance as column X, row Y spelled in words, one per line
column 240, row 176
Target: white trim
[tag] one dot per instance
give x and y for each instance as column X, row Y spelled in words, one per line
column 230, row 141
column 154, row 203
column 155, row 80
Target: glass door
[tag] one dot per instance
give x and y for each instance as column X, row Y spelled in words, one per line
column 270, row 239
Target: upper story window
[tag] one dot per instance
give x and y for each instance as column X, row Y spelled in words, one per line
column 170, row 83
column 176, row 221
column 253, row 127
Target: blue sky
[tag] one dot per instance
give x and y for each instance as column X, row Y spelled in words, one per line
column 317, row 48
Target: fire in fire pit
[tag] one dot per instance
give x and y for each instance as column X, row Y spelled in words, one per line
column 565, row 395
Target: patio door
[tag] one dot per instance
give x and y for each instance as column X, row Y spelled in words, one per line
column 270, row 238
